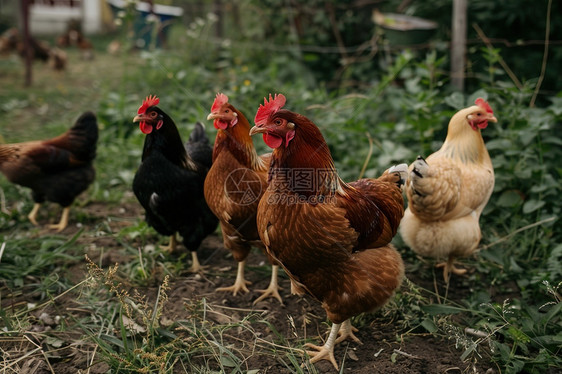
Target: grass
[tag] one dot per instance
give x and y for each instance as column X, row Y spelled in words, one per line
column 507, row 311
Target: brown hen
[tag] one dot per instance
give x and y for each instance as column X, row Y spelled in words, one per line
column 234, row 186
column 331, row 237
column 56, row 169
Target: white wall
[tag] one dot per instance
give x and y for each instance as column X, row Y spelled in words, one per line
column 52, row 20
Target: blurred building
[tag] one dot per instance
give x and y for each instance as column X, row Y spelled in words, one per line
column 53, row 16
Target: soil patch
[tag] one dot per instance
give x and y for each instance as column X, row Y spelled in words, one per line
column 266, row 332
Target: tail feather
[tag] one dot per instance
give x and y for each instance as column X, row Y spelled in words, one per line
column 83, row 137
column 402, row 170
column 198, row 134
column 198, row 147
column 420, row 167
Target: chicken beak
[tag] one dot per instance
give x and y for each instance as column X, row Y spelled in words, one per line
column 138, row 118
column 492, row 119
column 211, row 116
column 257, row 130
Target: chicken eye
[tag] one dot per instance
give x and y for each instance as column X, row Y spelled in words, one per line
column 278, row 122
column 227, row 111
column 153, row 114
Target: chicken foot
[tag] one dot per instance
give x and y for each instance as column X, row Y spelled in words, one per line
column 63, row 220
column 325, row 352
column 347, row 332
column 171, row 247
column 196, row 266
column 273, row 288
column 32, row 216
column 449, row 267
column 239, row 284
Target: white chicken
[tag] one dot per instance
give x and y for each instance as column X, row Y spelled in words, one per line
column 448, row 191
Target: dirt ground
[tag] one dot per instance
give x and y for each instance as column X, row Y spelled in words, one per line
column 384, row 348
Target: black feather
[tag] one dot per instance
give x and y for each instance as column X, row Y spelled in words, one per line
column 198, row 147
column 169, row 190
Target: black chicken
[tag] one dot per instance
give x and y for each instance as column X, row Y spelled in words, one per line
column 170, row 178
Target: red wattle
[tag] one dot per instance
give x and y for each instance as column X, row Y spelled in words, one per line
column 145, row 128
column 272, row 141
column 220, row 124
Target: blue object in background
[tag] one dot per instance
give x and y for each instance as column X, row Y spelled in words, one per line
column 164, row 16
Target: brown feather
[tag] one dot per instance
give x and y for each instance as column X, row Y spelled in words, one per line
column 234, row 185
column 331, row 239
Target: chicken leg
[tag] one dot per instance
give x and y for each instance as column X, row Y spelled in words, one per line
column 273, row 288
column 171, row 247
column 325, row 352
column 347, row 332
column 32, row 216
column 449, row 267
column 196, row 266
column 63, row 220
column 240, row 283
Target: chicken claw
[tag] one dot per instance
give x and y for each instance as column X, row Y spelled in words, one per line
column 171, row 247
column 347, row 332
column 63, row 220
column 325, row 352
column 273, row 289
column 449, row 267
column 32, row 216
column 239, row 284
column 196, row 266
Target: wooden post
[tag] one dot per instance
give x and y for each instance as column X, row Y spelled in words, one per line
column 458, row 47
column 26, row 42
column 217, row 6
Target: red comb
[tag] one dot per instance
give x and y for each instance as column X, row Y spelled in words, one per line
column 147, row 103
column 219, row 101
column 484, row 105
column 269, row 107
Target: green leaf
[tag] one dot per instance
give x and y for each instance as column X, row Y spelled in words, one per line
column 513, row 266
column 166, row 333
column 227, row 361
column 480, row 93
column 455, row 100
column 553, row 312
column 498, row 144
column 435, row 309
column 429, row 325
column 518, row 335
column 532, row 205
column 113, row 340
column 509, row 199
column 468, row 351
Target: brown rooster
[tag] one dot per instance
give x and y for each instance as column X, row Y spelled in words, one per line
column 234, row 187
column 57, row 169
column 331, row 237
column 448, row 191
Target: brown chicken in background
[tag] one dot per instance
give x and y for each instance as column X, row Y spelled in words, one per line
column 331, row 237
column 448, row 191
column 12, row 41
column 55, row 170
column 234, row 187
